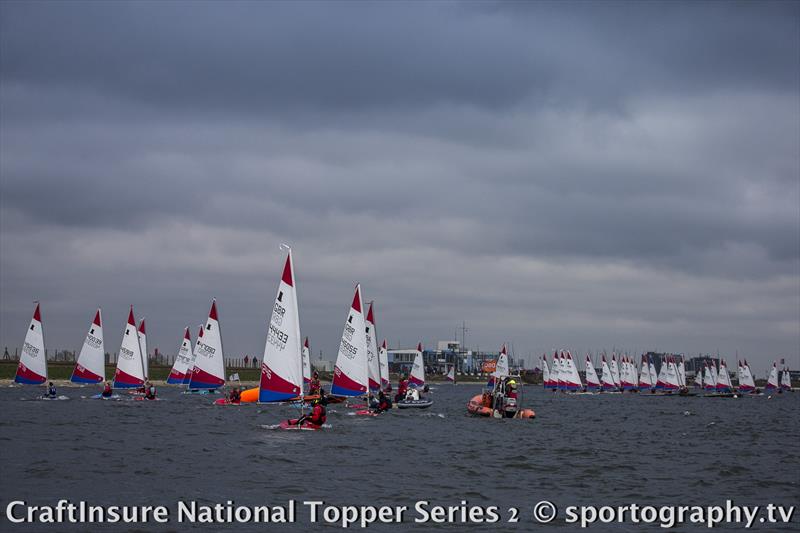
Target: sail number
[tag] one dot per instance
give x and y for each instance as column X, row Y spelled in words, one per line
column 347, row 349
column 277, row 337
column 30, row 349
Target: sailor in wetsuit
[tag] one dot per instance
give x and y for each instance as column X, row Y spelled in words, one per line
column 51, row 390
column 107, row 390
column 235, row 396
column 384, row 403
column 316, row 417
column 402, row 388
column 150, row 392
column 313, row 385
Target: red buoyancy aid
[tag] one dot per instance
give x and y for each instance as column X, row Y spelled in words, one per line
column 318, row 415
column 402, row 387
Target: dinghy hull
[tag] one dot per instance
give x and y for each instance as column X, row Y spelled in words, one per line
column 413, row 404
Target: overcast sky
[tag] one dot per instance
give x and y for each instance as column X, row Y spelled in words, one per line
column 572, row 175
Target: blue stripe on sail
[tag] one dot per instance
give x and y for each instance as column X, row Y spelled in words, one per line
column 338, row 390
column 266, row 396
column 121, row 385
column 26, row 381
column 78, row 379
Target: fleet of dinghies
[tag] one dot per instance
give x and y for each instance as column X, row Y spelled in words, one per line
column 621, row 374
column 361, row 367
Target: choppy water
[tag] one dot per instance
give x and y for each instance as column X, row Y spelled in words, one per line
column 600, row 450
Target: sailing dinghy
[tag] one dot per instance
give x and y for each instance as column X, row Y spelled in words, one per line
column 32, row 367
column 572, row 380
column 180, row 368
column 282, row 363
column 143, row 345
column 606, row 379
column 208, row 373
column 383, row 359
column 645, row 383
column 615, row 372
column 90, row 366
column 592, row 381
column 547, row 381
column 130, row 367
column 306, row 363
column 786, row 380
column 416, row 382
column 772, row 379
column 373, row 363
column 350, row 373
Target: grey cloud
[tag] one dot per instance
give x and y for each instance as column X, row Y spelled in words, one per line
column 555, row 174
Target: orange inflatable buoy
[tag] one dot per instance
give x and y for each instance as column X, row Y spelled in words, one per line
column 249, row 395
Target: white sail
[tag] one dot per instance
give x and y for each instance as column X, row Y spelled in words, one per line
column 90, row 366
column 644, row 376
column 188, row 379
column 724, row 379
column 180, row 368
column 772, row 379
column 625, row 375
column 606, row 379
column 698, row 378
column 653, row 373
column 714, row 374
column 417, row 376
column 546, row 378
column 32, row 367
column 130, row 369
column 209, row 364
column 373, row 363
column 671, row 379
column 350, row 374
column 143, row 346
column 615, row 371
column 555, row 372
column 501, row 367
column 786, row 380
column 668, row 377
column 282, row 362
column 451, row 374
column 306, row 362
column 709, row 378
column 573, row 379
column 681, row 373
column 592, row 381
column 383, row 359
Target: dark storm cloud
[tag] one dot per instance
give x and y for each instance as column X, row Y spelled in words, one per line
column 587, row 174
column 324, row 57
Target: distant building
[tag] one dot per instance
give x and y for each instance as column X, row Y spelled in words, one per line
column 449, row 353
column 322, row 365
